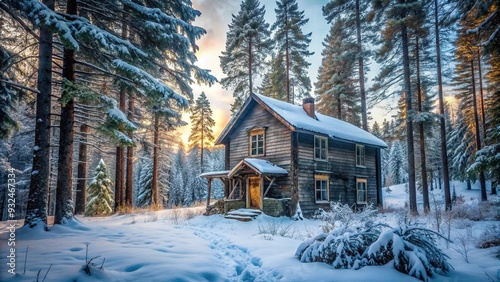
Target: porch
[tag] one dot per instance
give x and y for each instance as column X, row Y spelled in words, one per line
column 247, row 185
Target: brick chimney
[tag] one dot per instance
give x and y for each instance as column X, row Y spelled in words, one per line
column 308, row 106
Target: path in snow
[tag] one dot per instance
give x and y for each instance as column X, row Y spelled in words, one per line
column 238, row 263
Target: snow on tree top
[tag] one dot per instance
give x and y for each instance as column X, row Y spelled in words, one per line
column 332, row 127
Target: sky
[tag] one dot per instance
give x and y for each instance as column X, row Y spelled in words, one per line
column 215, row 18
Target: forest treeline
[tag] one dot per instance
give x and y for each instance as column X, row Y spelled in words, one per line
column 91, row 80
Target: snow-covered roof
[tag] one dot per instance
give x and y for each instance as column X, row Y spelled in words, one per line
column 259, row 165
column 221, row 173
column 297, row 119
column 332, row 127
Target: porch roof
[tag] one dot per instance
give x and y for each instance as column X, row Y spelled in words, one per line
column 261, row 166
column 216, row 174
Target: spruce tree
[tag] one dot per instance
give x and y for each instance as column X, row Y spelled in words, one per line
column 247, row 46
column 145, row 183
column 335, row 88
column 100, row 196
column 292, row 48
column 202, row 123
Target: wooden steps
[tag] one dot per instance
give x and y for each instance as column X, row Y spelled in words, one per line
column 243, row 214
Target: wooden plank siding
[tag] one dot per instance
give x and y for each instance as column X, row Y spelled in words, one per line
column 341, row 168
column 277, row 145
column 340, row 165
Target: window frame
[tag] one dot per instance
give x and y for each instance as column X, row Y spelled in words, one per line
column 365, row 181
column 321, row 138
column 322, row 178
column 360, row 155
column 251, row 134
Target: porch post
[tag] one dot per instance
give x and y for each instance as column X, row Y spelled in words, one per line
column 261, row 204
column 208, row 195
column 247, row 193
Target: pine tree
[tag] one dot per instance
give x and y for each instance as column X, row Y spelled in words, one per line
column 272, row 83
column 481, row 21
column 335, row 89
column 442, row 123
column 7, row 95
column 292, row 48
column 100, row 195
column 400, row 19
column 247, row 45
column 202, row 123
column 466, row 76
column 354, row 14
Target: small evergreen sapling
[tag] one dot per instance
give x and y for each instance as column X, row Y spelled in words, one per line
column 100, row 195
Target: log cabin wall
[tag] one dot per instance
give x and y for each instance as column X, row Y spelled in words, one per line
column 277, row 145
column 341, row 170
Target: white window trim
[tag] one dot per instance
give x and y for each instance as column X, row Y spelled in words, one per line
column 255, row 133
column 362, row 180
column 364, row 155
column 326, row 148
column 323, row 178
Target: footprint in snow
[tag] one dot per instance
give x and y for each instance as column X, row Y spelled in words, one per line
column 236, row 261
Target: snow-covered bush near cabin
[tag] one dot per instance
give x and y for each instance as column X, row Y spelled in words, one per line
column 412, row 249
column 343, row 215
column 343, row 247
column 359, row 241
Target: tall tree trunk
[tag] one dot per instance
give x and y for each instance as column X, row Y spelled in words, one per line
column 64, row 188
column 287, row 59
column 156, row 151
column 129, row 184
column 361, row 71
column 81, row 183
column 250, row 62
column 36, row 211
column 409, row 123
column 120, row 150
column 120, row 158
column 339, row 108
column 482, row 178
column 202, row 138
column 481, row 96
column 423, row 160
column 444, row 150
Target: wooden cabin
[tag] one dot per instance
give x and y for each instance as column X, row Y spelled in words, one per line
column 278, row 154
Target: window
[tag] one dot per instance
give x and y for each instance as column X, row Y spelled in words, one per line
column 321, row 188
column 257, row 143
column 361, row 191
column 320, row 148
column 360, row 155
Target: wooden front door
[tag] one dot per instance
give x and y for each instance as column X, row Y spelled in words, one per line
column 254, row 192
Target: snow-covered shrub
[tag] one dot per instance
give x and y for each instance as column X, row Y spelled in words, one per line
column 275, row 227
column 99, row 194
column 345, row 216
column 490, row 236
column 342, row 247
column 412, row 249
column 461, row 244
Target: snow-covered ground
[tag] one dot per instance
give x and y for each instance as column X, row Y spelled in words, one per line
column 181, row 245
